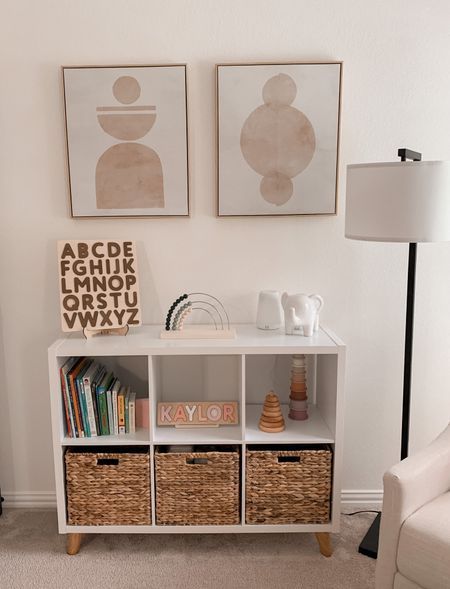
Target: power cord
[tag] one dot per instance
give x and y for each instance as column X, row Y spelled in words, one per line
column 363, row 511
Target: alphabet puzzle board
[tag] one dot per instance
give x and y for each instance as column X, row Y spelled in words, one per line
column 99, row 286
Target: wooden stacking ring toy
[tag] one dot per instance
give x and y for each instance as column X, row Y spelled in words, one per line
column 271, row 420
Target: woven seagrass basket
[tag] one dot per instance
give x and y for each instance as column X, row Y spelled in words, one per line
column 288, row 486
column 108, row 487
column 197, row 488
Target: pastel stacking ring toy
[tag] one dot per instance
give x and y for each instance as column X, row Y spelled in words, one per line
column 298, row 415
column 298, row 407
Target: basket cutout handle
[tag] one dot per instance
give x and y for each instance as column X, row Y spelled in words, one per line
column 291, row 459
column 107, row 461
column 197, row 461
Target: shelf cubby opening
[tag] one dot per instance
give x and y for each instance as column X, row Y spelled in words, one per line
column 265, row 373
column 199, row 378
column 196, row 378
column 132, row 372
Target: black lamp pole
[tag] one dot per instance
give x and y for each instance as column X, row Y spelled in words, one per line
column 369, row 544
column 405, row 154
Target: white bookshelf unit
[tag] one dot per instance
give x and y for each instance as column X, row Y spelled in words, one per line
column 244, row 370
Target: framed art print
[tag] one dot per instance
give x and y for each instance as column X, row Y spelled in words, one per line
column 127, row 140
column 278, row 138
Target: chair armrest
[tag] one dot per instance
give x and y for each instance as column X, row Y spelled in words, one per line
column 419, row 478
column 408, row 486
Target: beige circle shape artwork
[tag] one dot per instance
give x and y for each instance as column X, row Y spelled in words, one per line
column 278, row 140
column 128, row 174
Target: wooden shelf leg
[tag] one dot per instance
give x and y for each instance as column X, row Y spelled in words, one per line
column 73, row 543
column 323, row 538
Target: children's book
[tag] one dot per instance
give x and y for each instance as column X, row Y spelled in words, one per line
column 127, row 411
column 121, row 410
column 72, row 375
column 132, row 412
column 88, row 379
column 82, row 397
column 115, row 392
column 95, row 383
column 68, row 407
column 102, row 403
column 110, row 407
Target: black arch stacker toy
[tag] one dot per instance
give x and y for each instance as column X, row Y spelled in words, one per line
column 185, row 306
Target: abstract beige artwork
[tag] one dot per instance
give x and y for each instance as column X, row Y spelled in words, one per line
column 127, row 140
column 128, row 175
column 278, row 138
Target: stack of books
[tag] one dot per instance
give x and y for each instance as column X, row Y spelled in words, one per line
column 95, row 402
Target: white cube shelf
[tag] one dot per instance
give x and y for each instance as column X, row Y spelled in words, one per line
column 242, row 370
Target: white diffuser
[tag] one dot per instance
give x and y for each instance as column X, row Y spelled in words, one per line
column 270, row 312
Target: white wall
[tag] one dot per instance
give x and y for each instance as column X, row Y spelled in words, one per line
column 396, row 93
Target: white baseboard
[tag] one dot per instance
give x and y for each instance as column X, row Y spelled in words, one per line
column 37, row 499
column 364, row 497
column 41, row 499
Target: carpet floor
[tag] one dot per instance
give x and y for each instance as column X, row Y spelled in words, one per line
column 32, row 556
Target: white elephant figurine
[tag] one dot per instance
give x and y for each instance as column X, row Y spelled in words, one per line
column 301, row 313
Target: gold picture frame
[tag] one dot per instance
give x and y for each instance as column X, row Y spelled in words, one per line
column 127, row 140
column 277, row 138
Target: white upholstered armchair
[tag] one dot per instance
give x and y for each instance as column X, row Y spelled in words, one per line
column 414, row 549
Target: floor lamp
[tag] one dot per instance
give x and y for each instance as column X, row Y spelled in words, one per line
column 408, row 202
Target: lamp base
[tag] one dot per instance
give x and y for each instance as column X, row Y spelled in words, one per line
column 369, row 544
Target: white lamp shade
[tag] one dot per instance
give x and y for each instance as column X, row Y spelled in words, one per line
column 398, row 201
